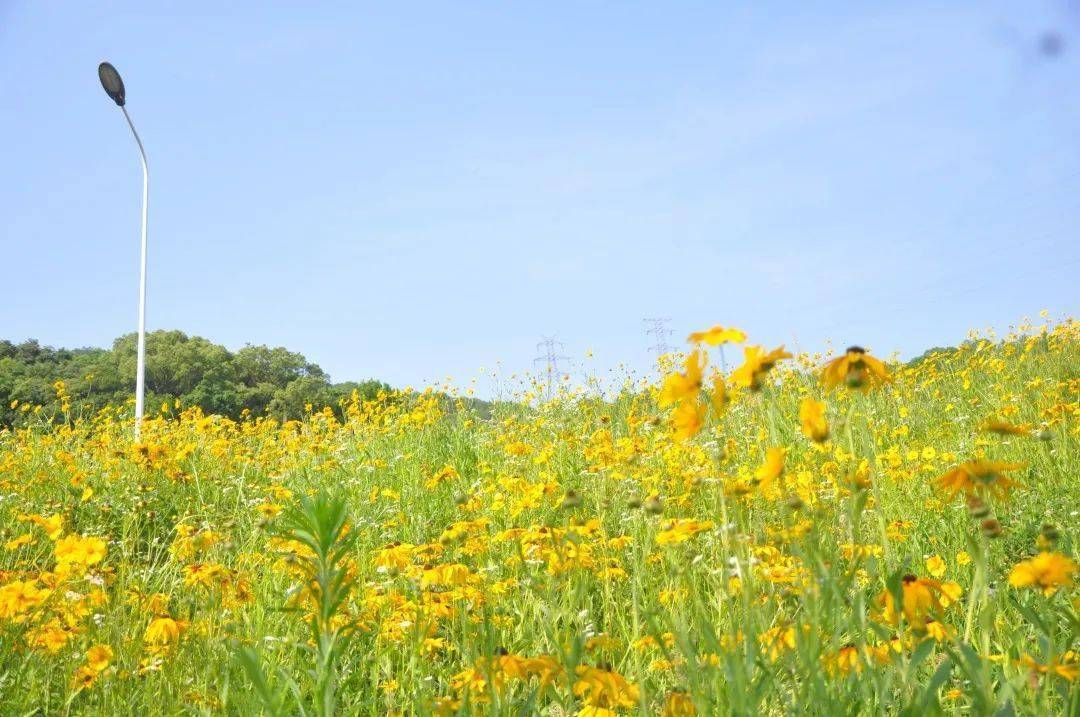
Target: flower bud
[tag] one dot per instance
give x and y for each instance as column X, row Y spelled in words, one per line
column 977, row 507
column 1050, row 534
column 991, row 528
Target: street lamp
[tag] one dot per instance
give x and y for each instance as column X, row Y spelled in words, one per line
column 114, row 88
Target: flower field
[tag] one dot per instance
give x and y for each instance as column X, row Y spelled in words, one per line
column 829, row 534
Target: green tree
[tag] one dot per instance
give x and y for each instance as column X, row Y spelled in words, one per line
column 188, row 369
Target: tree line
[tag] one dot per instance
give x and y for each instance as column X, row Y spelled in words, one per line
column 256, row 380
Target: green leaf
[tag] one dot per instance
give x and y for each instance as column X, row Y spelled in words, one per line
column 940, row 676
column 1030, row 615
column 974, row 662
column 252, row 665
column 1007, row 710
column 922, row 652
column 895, row 585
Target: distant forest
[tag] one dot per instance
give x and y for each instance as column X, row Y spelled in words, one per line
column 191, row 369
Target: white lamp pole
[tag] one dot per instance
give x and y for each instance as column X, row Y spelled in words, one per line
column 114, row 87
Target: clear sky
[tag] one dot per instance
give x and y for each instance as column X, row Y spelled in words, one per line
column 413, row 190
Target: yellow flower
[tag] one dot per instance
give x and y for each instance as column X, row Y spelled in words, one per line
column 80, row 551
column 50, row 638
column 448, row 575
column 678, row 704
column 756, row 364
column 98, row 657
column 812, row 416
column 604, row 689
column 687, row 419
column 963, row 558
column 594, row 711
column 163, row 632
column 884, row 652
column 1002, row 428
column 83, row 678
column 53, row 525
column 771, row 469
column 15, row 543
column 518, row 448
column 447, row 705
column 939, row 632
column 269, row 510
column 856, row 368
column 679, row 530
column 718, row 397
column 1046, row 571
column 205, row 575
column 950, row 593
column 1065, row 666
column 978, row 476
column 777, row 640
column 717, row 335
column 19, row 597
column 446, row 473
column 921, row 597
column 686, row 385
column 844, row 661
column 935, row 566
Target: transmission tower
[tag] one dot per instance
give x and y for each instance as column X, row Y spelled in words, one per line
column 659, row 331
column 551, row 357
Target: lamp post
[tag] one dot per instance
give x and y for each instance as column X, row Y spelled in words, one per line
column 114, row 87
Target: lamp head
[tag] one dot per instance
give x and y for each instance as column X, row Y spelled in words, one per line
column 110, row 80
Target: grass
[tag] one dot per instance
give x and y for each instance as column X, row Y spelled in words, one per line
column 571, row 556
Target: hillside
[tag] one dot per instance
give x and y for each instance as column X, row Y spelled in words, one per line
column 860, row 537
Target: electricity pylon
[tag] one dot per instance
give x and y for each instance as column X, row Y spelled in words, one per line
column 550, row 356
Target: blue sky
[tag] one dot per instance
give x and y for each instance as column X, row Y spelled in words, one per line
column 410, row 191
